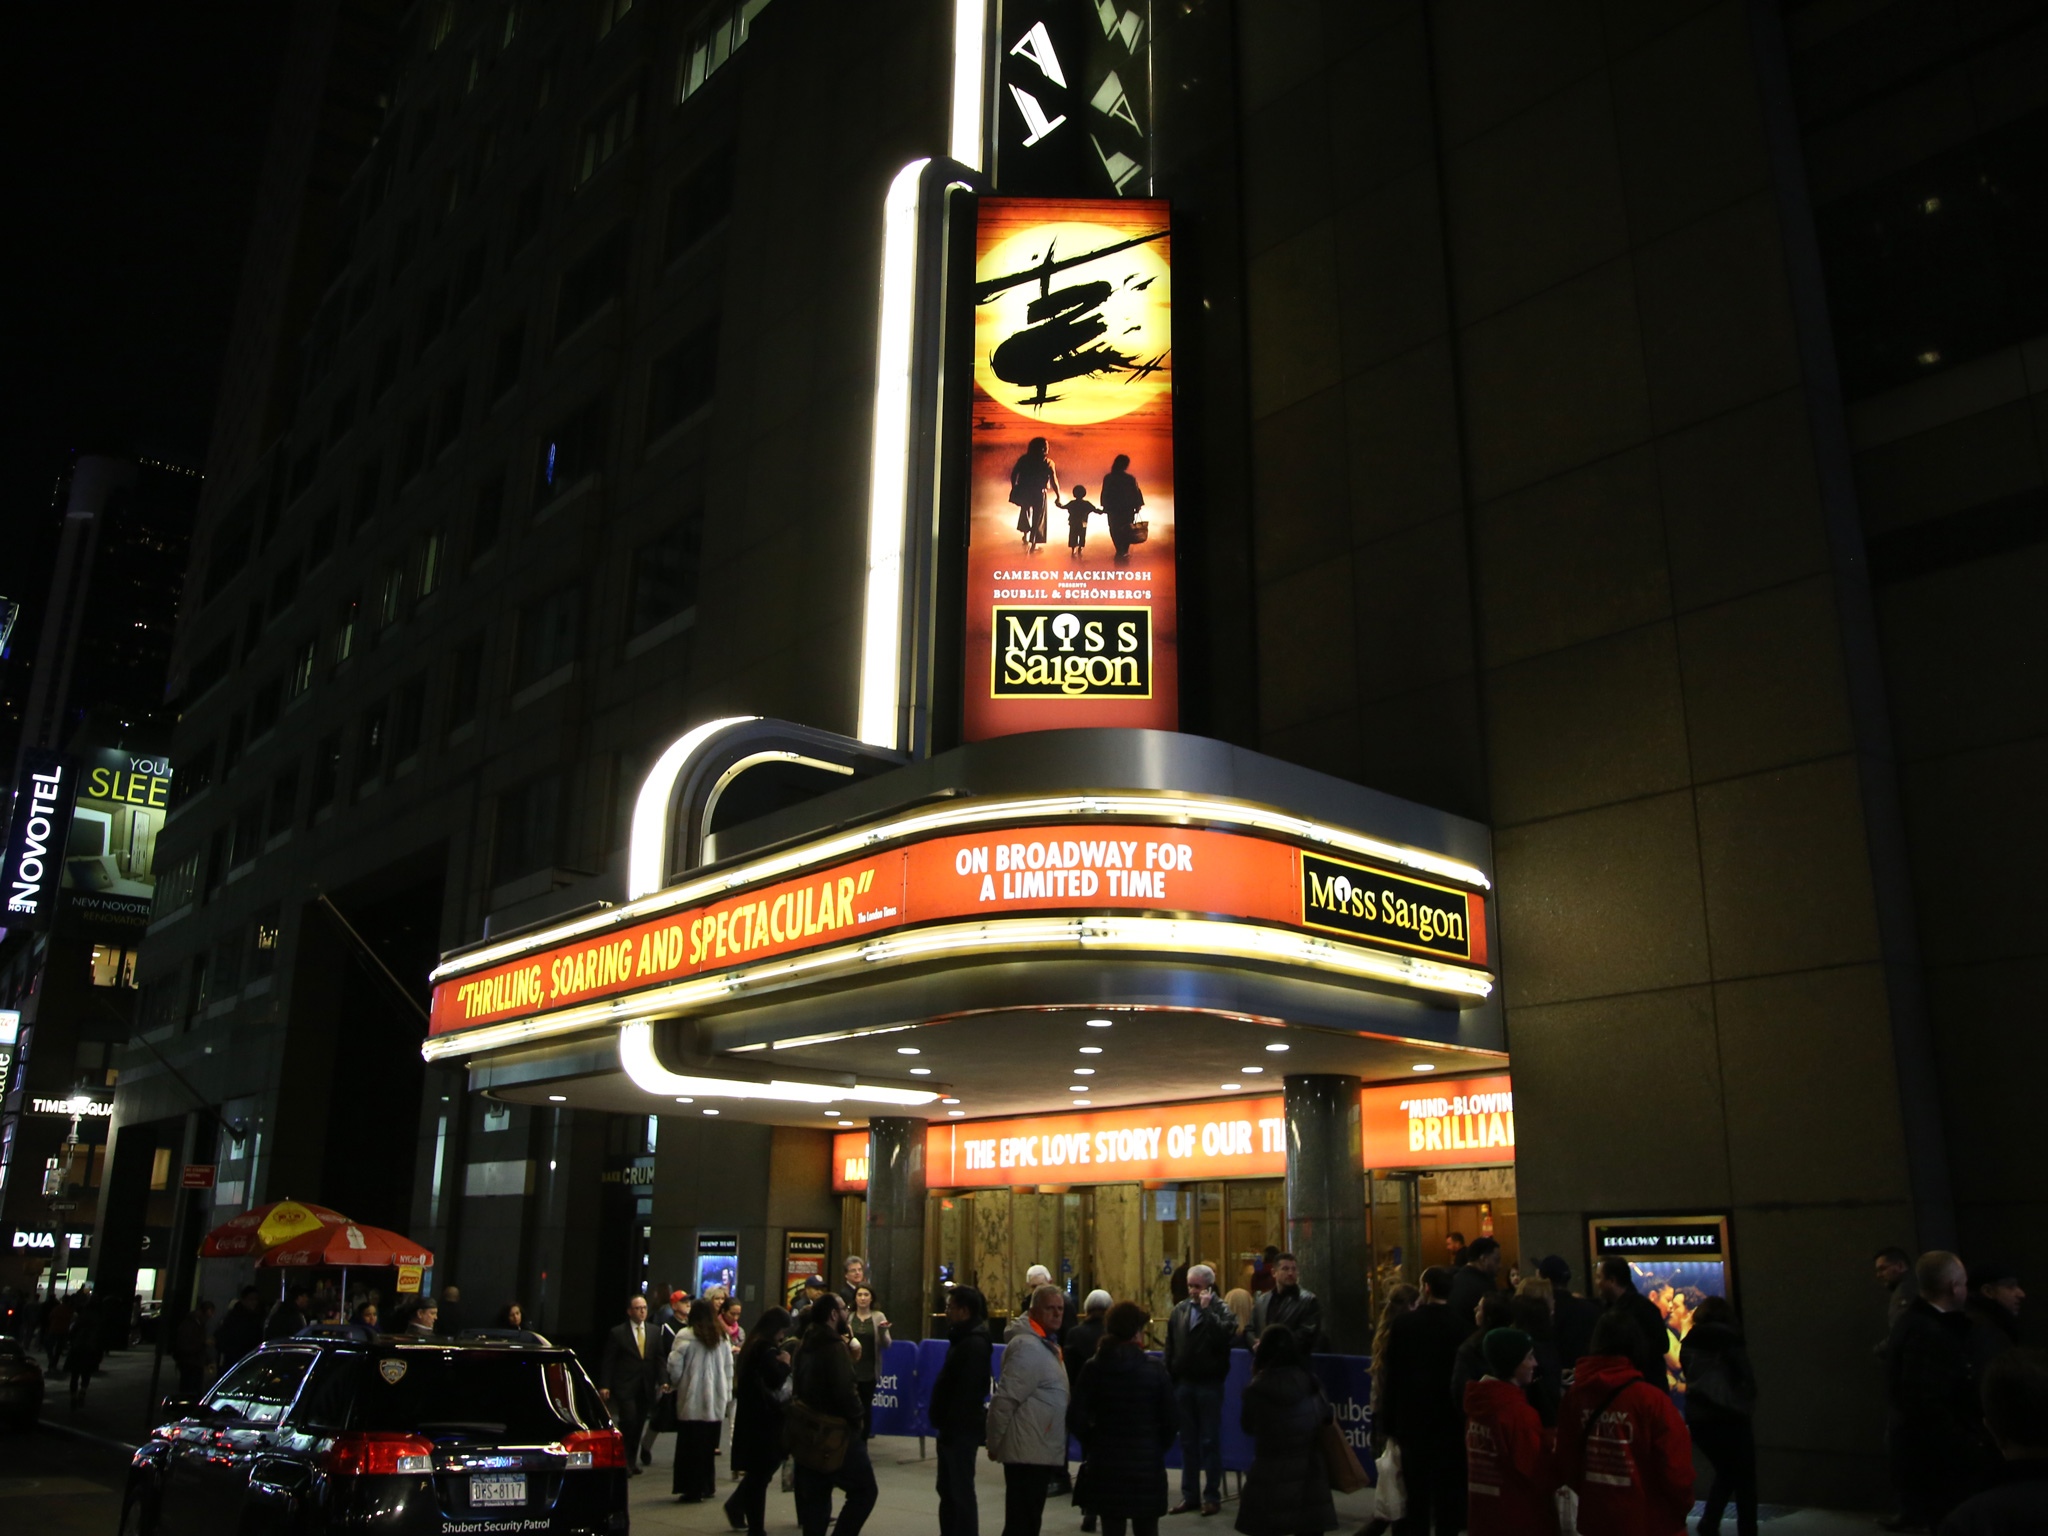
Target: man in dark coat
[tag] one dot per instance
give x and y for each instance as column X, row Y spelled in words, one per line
column 959, row 1408
column 1478, row 1276
column 628, row 1377
column 2015, row 1503
column 1200, row 1333
column 1572, row 1316
column 189, row 1349
column 1617, row 1287
column 1935, row 1436
column 822, row 1380
column 241, row 1330
column 289, row 1316
column 1417, row 1411
column 1288, row 1306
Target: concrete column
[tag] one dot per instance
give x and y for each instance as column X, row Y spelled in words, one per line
column 1326, row 1216
column 895, row 1230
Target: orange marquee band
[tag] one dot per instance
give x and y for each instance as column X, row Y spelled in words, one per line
column 1096, row 866
column 1459, row 1122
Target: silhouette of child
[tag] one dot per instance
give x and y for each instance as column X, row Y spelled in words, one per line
column 1078, row 511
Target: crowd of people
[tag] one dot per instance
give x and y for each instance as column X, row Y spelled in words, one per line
column 1500, row 1404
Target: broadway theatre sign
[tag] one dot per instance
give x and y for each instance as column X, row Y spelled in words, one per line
column 935, row 886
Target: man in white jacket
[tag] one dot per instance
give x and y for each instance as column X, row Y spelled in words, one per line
column 1027, row 1415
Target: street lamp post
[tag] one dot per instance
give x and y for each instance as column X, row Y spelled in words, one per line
column 61, row 1180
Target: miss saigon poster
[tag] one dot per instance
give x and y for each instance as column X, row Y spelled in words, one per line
column 1070, row 559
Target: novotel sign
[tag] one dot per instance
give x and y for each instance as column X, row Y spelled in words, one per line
column 1223, row 882
column 35, row 841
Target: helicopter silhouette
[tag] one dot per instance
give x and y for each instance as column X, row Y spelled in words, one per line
column 1063, row 339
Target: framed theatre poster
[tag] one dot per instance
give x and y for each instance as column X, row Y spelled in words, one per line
column 1678, row 1261
column 1071, row 609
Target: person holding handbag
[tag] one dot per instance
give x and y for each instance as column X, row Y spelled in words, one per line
column 1124, row 1416
column 700, row 1372
column 760, row 1383
column 1622, row 1449
column 822, row 1426
column 1389, row 1502
column 1287, row 1489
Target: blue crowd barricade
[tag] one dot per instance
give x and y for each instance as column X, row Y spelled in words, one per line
column 910, row 1371
column 901, row 1408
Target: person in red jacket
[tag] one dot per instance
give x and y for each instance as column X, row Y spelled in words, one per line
column 1621, row 1445
column 1509, row 1480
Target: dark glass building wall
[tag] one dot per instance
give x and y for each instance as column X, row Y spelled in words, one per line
column 1925, row 134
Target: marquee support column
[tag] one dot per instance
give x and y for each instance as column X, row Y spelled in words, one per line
column 1326, row 1215
column 895, row 1231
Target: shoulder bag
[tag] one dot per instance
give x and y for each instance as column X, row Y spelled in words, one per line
column 816, row 1441
column 1339, row 1460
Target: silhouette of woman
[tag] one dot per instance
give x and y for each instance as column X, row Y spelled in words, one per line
column 1031, row 477
column 1121, row 500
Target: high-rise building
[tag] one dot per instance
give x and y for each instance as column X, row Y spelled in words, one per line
column 1613, row 431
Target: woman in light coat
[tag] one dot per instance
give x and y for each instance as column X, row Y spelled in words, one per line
column 700, row 1370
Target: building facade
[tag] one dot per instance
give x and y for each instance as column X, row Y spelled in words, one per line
column 1561, row 452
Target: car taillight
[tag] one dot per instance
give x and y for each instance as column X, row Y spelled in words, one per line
column 375, row 1453
column 595, row 1448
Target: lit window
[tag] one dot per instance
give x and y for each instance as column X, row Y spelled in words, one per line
column 720, row 37
column 112, row 966
column 430, row 563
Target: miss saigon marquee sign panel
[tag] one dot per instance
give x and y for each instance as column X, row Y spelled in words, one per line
column 1208, row 892
column 1070, row 563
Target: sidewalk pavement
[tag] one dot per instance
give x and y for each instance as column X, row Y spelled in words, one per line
column 116, row 1413
column 909, row 1502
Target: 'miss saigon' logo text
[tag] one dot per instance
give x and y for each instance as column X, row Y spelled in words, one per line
column 1075, row 653
column 1392, row 909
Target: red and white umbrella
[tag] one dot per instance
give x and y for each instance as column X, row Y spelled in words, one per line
column 350, row 1245
column 266, row 1226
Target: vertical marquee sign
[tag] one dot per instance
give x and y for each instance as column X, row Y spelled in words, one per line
column 1071, row 603
column 32, row 874
column 1073, row 108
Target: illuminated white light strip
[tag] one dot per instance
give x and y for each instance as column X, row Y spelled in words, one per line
column 889, row 473
column 647, row 846
column 990, row 813
column 636, row 1055
column 970, row 70
column 1200, row 937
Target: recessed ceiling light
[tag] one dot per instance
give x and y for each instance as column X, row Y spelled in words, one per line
column 1276, row 1047
column 1091, row 1050
column 920, row 1071
column 1084, row 1071
column 908, row 1050
column 949, row 1101
column 1084, row 1101
column 956, row 1111
column 1251, row 1069
column 1077, row 1087
column 1231, row 1087
column 1098, row 1023
column 831, row 1114
column 558, row 1098
column 1423, row 1066
column 710, row 1111
column 686, row 1101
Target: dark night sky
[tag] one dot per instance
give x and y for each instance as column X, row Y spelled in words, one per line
column 137, row 138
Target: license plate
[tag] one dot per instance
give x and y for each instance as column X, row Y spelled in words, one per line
column 497, row 1490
